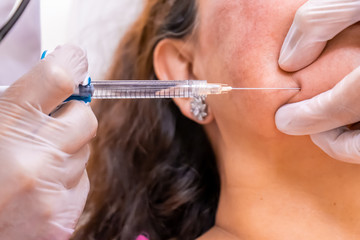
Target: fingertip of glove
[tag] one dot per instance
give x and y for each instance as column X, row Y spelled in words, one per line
column 72, row 59
column 284, row 64
column 283, row 121
column 287, row 61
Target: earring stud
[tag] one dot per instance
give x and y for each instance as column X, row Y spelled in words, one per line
column 199, row 108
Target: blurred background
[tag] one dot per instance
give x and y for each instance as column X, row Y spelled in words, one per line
column 95, row 25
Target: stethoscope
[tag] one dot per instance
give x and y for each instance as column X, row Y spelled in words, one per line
column 4, row 30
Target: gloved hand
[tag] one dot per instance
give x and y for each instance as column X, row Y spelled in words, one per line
column 316, row 22
column 43, row 180
column 322, row 116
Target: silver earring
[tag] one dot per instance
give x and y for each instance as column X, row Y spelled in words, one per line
column 199, row 108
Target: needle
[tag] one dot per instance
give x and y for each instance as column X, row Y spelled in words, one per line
column 265, row 88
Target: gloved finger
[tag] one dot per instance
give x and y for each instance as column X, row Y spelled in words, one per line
column 341, row 143
column 298, row 51
column 67, row 169
column 69, row 209
column 74, row 167
column 51, row 81
column 314, row 24
column 332, row 109
column 78, row 126
column 74, row 203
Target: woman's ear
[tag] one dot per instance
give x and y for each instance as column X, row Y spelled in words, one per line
column 173, row 60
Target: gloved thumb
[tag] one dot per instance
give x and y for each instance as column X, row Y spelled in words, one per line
column 340, row 143
column 71, row 59
column 329, row 110
column 315, row 23
column 51, row 81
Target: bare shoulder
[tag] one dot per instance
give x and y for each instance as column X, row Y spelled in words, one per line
column 217, row 233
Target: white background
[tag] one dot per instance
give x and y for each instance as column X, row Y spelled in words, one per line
column 95, row 25
column 54, row 22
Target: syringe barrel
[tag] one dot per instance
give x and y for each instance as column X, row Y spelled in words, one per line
column 135, row 89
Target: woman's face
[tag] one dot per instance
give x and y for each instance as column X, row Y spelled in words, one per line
column 238, row 43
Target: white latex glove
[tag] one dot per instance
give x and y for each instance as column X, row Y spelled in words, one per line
column 322, row 116
column 43, row 180
column 316, row 22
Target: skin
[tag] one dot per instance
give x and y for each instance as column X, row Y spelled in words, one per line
column 273, row 186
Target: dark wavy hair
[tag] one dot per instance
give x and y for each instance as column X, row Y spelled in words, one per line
column 152, row 170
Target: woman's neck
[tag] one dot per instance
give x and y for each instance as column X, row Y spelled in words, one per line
column 273, row 190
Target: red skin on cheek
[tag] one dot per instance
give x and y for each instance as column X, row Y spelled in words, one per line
column 239, row 45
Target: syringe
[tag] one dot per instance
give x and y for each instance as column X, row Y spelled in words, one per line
column 138, row 89
column 142, row 89
column 130, row 89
